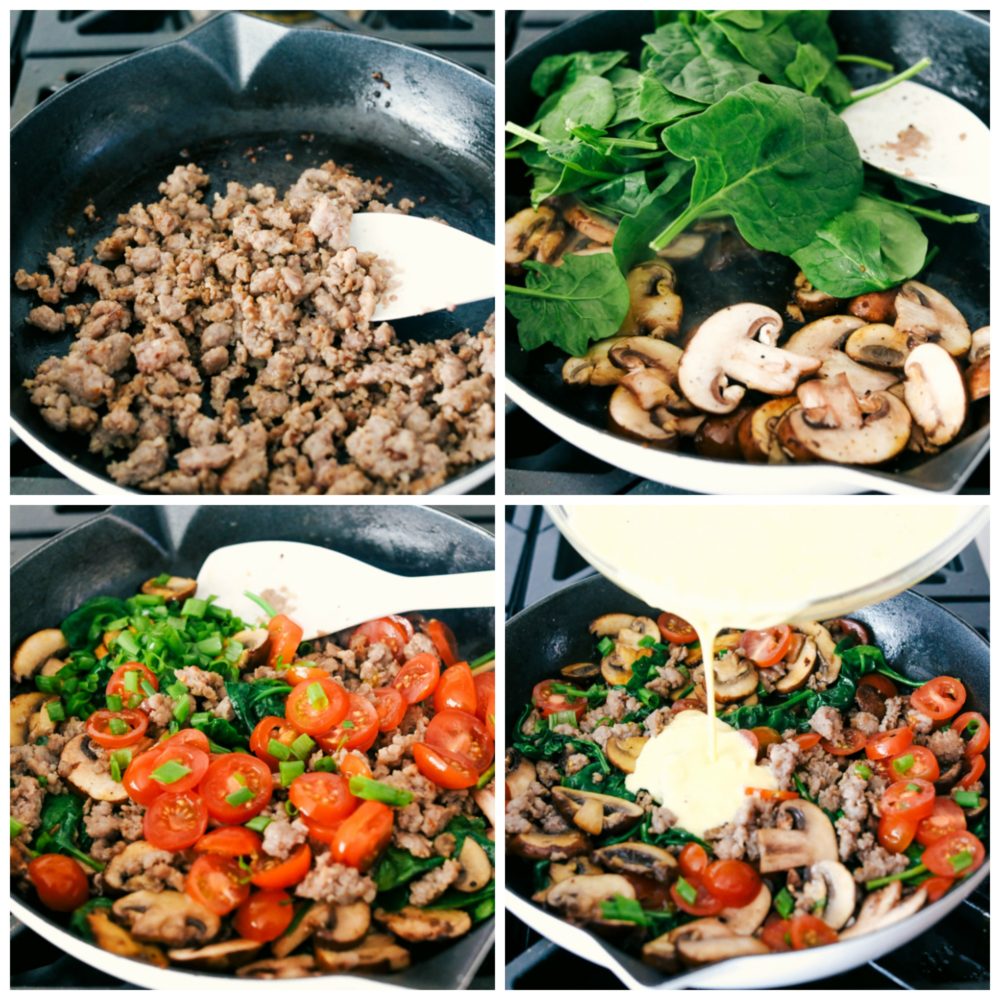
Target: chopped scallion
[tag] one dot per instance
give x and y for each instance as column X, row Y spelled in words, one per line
column 567, row 718
column 182, row 709
column 378, row 791
column 686, row 890
column 903, row 764
column 481, row 660
column 289, row 770
column 960, row 861
column 131, row 681
column 302, row 746
column 240, row 797
column 487, row 776
column 15, row 827
column 117, row 727
column 317, row 696
column 605, row 645
column 170, row 771
column 212, row 646
column 258, row 824
column 147, row 688
column 126, row 641
column 114, row 702
column 967, row 800
column 325, row 764
column 862, row 770
column 784, row 903
column 56, row 711
column 194, row 607
column 278, row 750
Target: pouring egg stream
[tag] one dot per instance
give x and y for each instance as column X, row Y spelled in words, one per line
column 704, row 563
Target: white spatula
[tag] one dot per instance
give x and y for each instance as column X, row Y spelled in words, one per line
column 325, row 591
column 433, row 266
column 923, row 136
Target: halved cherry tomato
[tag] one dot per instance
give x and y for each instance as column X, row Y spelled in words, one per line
column 463, row 734
column 101, row 724
column 889, row 743
column 316, row 706
column 324, row 798
column 355, row 764
column 137, row 780
column 940, row 698
column 226, row 783
column 456, row 689
column 357, row 732
column 59, row 882
column 840, row 628
column 444, row 641
column 955, row 856
column 936, row 887
column 186, row 756
column 693, row 860
column 265, row 915
column 280, row 873
column 448, row 770
column 174, row 822
column 383, row 630
column 977, row 765
column 703, row 905
column 751, row 737
column 486, row 700
column 733, row 882
column 915, row 762
column 849, row 742
column 777, row 934
column 285, row 637
column 653, row 895
column 809, row 932
column 913, row 799
column 298, row 673
column 896, row 832
column 404, row 623
column 974, row 727
column 217, row 882
column 771, row 794
column 323, row 834
column 230, row 841
column 807, row 740
column 362, row 837
column 766, row 647
column 765, row 736
column 418, row 678
column 270, row 728
column 390, row 706
column 675, row 629
column 189, row 738
column 880, row 683
column 946, row 818
column 116, row 685
column 548, row 702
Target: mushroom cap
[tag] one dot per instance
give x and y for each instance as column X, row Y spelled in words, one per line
column 628, row 416
column 980, row 349
column 532, row 232
column 623, row 751
column 811, row 300
column 594, row 367
column 718, row 437
column 840, row 895
column 580, row 896
column 935, row 393
column 823, row 338
column 376, row 953
column 875, row 307
column 550, row 846
column 802, row 837
column 591, row 224
column 924, row 314
column 167, row 917
column 757, row 432
column 799, row 670
column 878, row 344
column 635, row 857
column 655, row 308
column 627, row 353
column 414, row 924
column 35, row 651
column 594, row 812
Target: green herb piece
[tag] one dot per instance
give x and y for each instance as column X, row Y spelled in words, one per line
column 588, row 100
column 130, row 681
column 113, row 702
column 117, row 727
column 686, row 890
column 261, row 603
column 863, row 770
column 15, row 827
column 240, row 797
column 487, row 776
column 125, row 641
column 194, row 607
column 291, row 810
column 559, row 71
column 396, row 867
column 484, row 659
column 278, row 750
column 325, row 764
column 147, row 688
column 289, row 770
column 378, row 791
column 170, row 771
column 567, row 718
column 904, row 876
column 606, row 645
column 302, row 746
column 55, row 711
column 258, row 823
column 85, row 625
column 78, row 922
column 960, row 861
column 120, row 760
column 61, row 830
column 903, row 764
column 967, row 800
column 317, row 696
column 212, row 646
column 784, row 903
column 182, row 709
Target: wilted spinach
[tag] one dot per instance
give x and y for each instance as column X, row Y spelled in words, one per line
column 83, row 627
column 61, row 830
column 254, row 700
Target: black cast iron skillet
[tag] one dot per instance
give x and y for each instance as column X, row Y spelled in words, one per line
column 238, row 95
column 116, row 551
column 920, row 639
column 958, row 44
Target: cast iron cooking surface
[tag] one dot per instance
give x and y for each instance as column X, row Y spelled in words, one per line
column 919, row 637
column 116, row 551
column 237, row 96
column 957, row 43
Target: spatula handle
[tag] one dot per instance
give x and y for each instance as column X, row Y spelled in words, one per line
column 458, row 590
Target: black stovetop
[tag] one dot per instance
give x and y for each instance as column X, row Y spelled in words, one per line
column 953, row 955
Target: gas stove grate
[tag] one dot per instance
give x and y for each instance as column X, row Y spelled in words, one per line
column 953, row 955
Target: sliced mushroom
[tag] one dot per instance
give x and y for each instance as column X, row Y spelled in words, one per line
column 628, row 416
column 580, row 897
column 628, row 353
column 875, row 307
column 23, row 708
column 980, row 345
column 623, row 751
column 883, row 908
column 40, row 725
column 87, row 773
column 35, row 651
column 291, row 967
column 811, row 300
column 687, row 246
column 737, row 343
column 935, row 393
column 612, row 624
column 485, row 798
column 594, row 367
column 757, row 431
column 704, row 951
column 878, row 344
column 833, row 424
column 746, row 919
column 559, row 871
column 735, row 678
column 595, row 813
column 229, row 954
column 348, row 923
column 580, row 671
column 476, row 868
column 595, row 227
column 520, row 774
column 841, row 893
column 167, row 918
column 376, row 953
column 652, row 388
column 533, row 232
column 551, row 846
column 662, row 953
column 655, row 309
column 803, row 837
column 829, row 659
column 635, row 857
column 799, row 669
column 256, row 645
column 413, row 924
column 718, row 437
column 128, row 871
column 52, row 666
column 978, row 379
column 628, row 633
column 177, row 588
column 316, row 918
column 109, row 936
column 924, row 314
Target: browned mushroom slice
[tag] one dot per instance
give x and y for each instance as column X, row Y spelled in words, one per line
column 594, row 367
column 878, row 344
column 924, row 314
column 595, row 227
column 612, row 624
column 875, row 307
column 109, row 936
column 533, row 232
column 811, row 300
column 978, row 378
column 174, row 588
column 579, row 897
column 802, row 837
column 23, row 707
column 413, row 924
column 935, row 393
column 746, row 919
column 980, row 345
column 623, row 751
column 884, row 907
column 736, row 343
column 629, row 633
column 628, row 417
column 708, row 950
column 476, row 868
column 799, row 669
column 222, row 955
column 36, row 650
column 628, row 353
column 348, row 923
column 655, row 309
column 634, row 857
column 83, row 768
column 290, row 967
column 167, row 918
column 376, row 953
column 718, row 437
column 839, row 893
column 595, row 813
column 256, row 645
column 551, row 846
column 735, row 678
column 662, row 952
column 580, row 671
column 315, row 918
column 828, row 669
column 520, row 775
column 756, row 434
column 129, row 870
column 559, row 871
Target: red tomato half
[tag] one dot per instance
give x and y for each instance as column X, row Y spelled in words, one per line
column 974, row 728
column 280, row 873
column 734, row 882
column 766, row 647
column 807, row 740
column 946, row 818
column 548, row 702
column 915, row 762
column 955, row 856
column 217, row 883
column 777, row 933
column 324, row 798
column 390, row 706
column 444, row 641
column 285, row 637
column 463, row 734
column 456, row 689
column 913, row 799
column 418, row 677
column 59, row 882
column 383, row 630
column 298, row 673
column 180, row 755
column 270, row 728
column 889, row 743
column 314, row 707
column 849, row 742
column 189, row 738
column 693, row 860
column 936, row 886
column 116, row 685
column 486, row 700
column 175, row 822
column 896, row 832
column 880, row 683
column 448, row 770
column 236, row 787
column 676, row 630
column 102, row 724
column 229, row 841
column 977, row 765
column 362, row 837
column 355, row 764
column 265, row 915
column 357, row 732
column 137, row 780
column 703, row 905
column 940, row 698
column 810, row 932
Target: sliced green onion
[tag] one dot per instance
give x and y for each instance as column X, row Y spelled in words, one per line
column 42, row 780
column 126, row 642
column 182, row 709
column 15, row 827
column 481, row 660
column 903, row 764
column 56, row 711
column 162, row 580
column 131, row 681
column 686, row 890
column 325, row 764
column 240, row 797
column 863, row 770
column 194, row 607
column 913, row 787
column 960, row 861
column 119, row 763
column 114, row 702
column 258, row 824
column 177, row 690
column 784, row 903
column 910, row 873
column 291, row 810
column 261, row 603
column 134, row 700
column 567, row 718
column 117, row 727
column 278, row 750
column 212, row 646
column 967, row 800
column 646, row 641
column 378, row 791
column 605, row 645
column 170, row 771
column 49, row 685
column 302, row 746
column 233, row 650
column 317, row 696
column 147, row 687
column 146, row 600
column 289, row 770
column 487, row 776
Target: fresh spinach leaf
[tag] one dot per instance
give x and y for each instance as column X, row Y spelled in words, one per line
column 220, row 731
column 584, row 299
column 397, row 867
column 632, row 239
column 589, row 100
column 809, row 68
column 471, row 826
column 627, row 83
column 625, row 195
column 658, row 106
column 83, row 626
column 61, row 830
column 78, row 922
column 781, row 163
column 254, row 700
column 631, row 910
column 558, row 71
column 481, row 904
